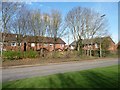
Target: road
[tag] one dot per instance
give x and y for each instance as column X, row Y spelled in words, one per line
column 27, row 72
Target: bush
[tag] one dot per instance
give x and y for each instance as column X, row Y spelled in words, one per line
column 11, row 55
column 56, row 54
column 105, row 53
column 30, row 54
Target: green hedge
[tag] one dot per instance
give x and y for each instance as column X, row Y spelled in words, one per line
column 30, row 54
column 11, row 55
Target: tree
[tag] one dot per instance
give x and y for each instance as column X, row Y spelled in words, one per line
column 35, row 22
column 20, row 23
column 95, row 26
column 105, row 44
column 74, row 21
column 55, row 24
column 9, row 10
column 86, row 24
column 45, row 24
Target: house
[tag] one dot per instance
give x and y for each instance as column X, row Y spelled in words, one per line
column 10, row 41
column 118, row 46
column 94, row 44
column 24, row 43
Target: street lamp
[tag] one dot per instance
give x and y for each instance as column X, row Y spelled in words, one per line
column 100, row 39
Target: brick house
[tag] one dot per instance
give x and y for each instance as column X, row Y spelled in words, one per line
column 118, row 45
column 95, row 45
column 23, row 43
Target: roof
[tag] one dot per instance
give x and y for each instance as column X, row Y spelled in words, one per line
column 43, row 39
column 73, row 43
column 10, row 37
column 30, row 39
column 94, row 40
column 118, row 44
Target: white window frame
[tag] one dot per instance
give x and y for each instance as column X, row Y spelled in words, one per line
column 96, row 45
column 62, row 45
column 32, row 44
column 19, row 45
column 13, row 44
column 51, row 44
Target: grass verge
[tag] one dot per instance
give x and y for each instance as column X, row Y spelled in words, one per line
column 106, row 77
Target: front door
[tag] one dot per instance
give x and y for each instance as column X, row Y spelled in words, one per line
column 25, row 46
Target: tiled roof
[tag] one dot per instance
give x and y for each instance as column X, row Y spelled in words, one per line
column 119, row 43
column 43, row 39
column 13, row 37
column 10, row 37
column 94, row 40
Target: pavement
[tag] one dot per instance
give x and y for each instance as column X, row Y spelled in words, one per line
column 10, row 74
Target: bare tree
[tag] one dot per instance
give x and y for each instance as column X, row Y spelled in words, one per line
column 39, row 23
column 35, row 22
column 85, row 23
column 20, row 23
column 9, row 10
column 74, row 22
column 44, row 27
column 95, row 26
column 55, row 25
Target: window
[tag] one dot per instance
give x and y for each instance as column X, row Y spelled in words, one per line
column 32, row 44
column 72, row 47
column 45, row 44
column 96, row 46
column 51, row 44
column 19, row 44
column 13, row 44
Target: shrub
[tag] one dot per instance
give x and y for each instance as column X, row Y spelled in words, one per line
column 30, row 54
column 56, row 54
column 11, row 55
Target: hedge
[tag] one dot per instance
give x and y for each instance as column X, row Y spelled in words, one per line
column 11, row 55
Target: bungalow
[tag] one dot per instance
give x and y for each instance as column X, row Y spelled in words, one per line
column 23, row 43
column 118, row 45
column 94, row 44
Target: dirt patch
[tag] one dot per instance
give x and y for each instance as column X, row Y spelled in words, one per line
column 41, row 61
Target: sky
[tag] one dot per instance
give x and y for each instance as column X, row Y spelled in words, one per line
column 110, row 9
column 60, row 0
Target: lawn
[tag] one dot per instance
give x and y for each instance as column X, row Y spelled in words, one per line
column 105, row 77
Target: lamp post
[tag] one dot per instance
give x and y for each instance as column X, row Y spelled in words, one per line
column 100, row 40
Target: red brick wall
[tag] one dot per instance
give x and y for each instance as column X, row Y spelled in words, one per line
column 49, row 47
column 112, row 47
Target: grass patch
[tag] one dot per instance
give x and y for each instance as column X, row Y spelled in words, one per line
column 106, row 77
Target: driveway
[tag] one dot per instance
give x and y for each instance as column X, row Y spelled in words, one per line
column 27, row 72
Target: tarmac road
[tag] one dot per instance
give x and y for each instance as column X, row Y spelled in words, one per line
column 27, row 72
